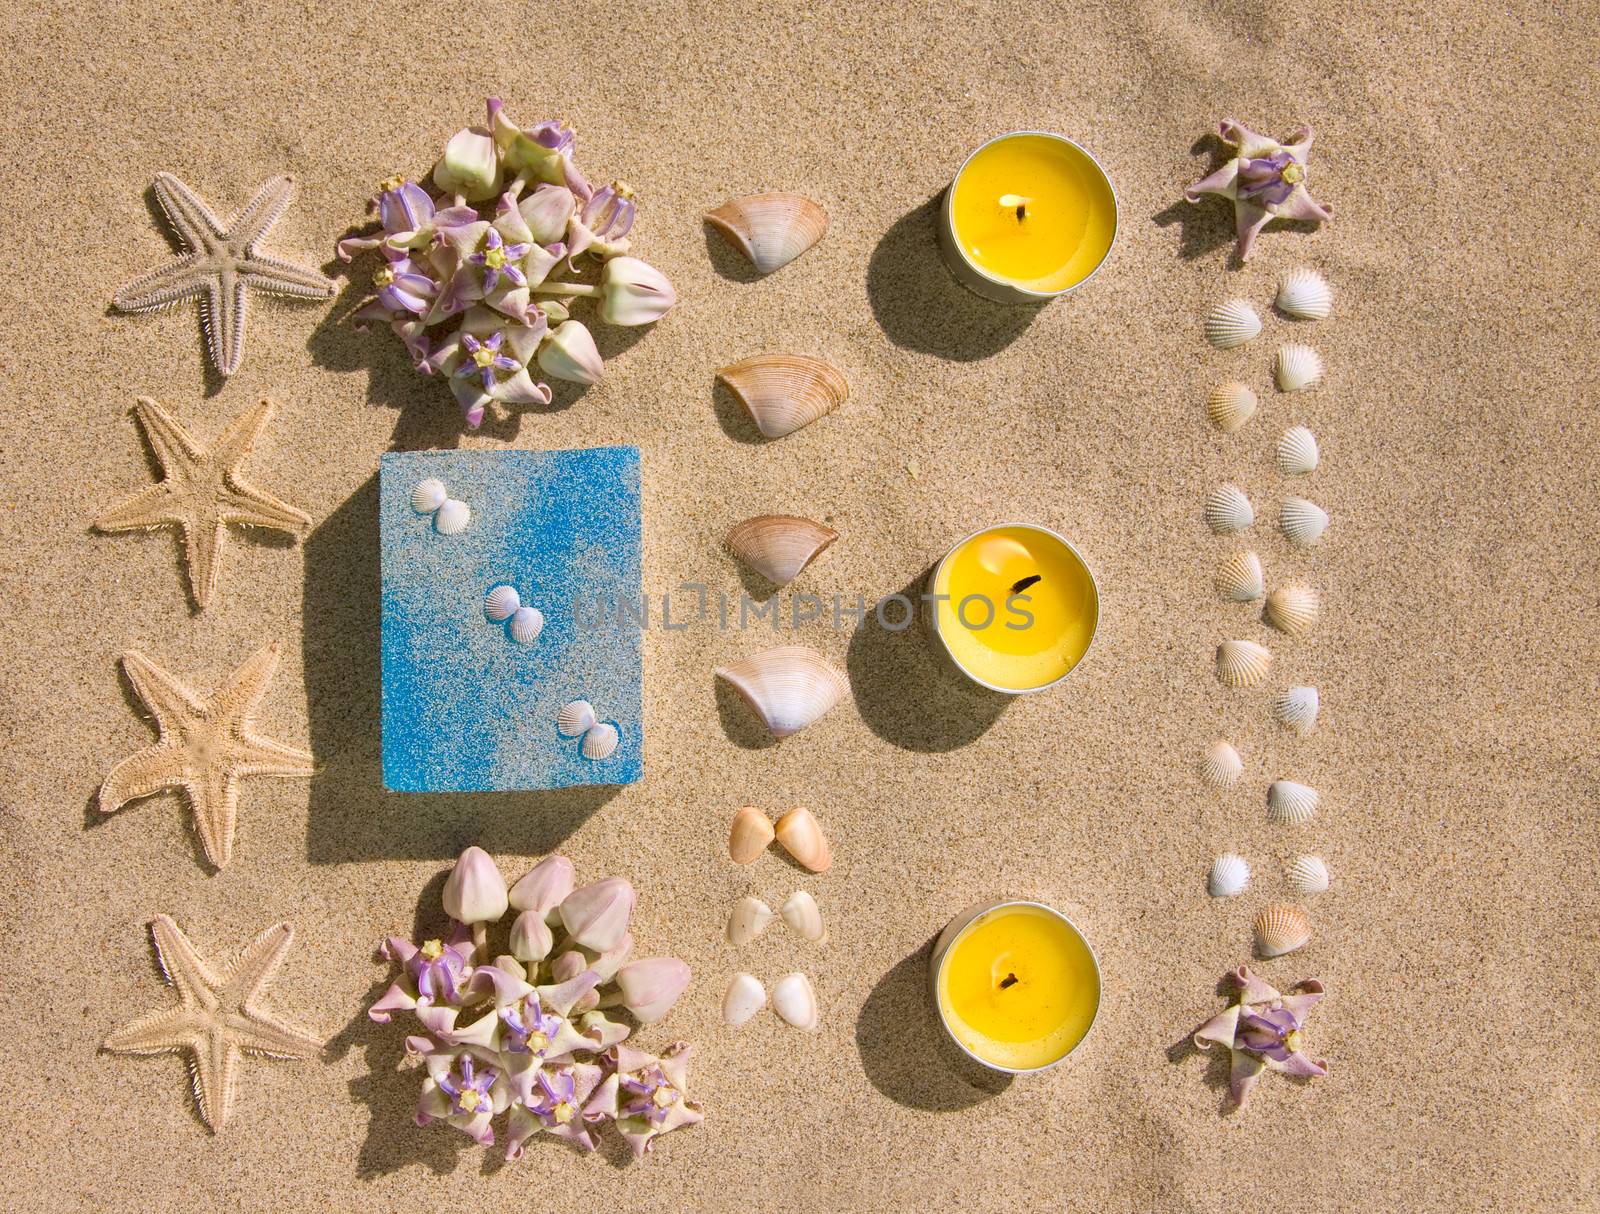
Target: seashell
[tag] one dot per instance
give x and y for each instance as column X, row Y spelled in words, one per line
column 1229, row 877
column 1240, row 579
column 526, row 625
column 1222, row 766
column 749, row 835
column 783, row 392
column 1289, row 804
column 770, row 229
column 1302, row 521
column 1242, row 663
column 1231, row 324
column 779, row 546
column 453, row 517
column 1297, row 368
column 803, row 917
column 789, row 687
column 746, row 996
column 575, row 718
column 1296, row 709
column 1281, row 929
column 1297, row 451
column 1305, row 294
column 1292, row 609
column 1308, row 875
column 501, row 603
column 801, row 836
column 600, row 741
column 428, row 496
column 795, row 1000
column 1228, row 510
column 1230, row 405
column 748, row 919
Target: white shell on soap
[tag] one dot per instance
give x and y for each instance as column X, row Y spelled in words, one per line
column 1305, row 294
column 1308, row 875
column 575, row 718
column 748, row 919
column 428, row 496
column 453, row 517
column 1242, row 663
column 1302, row 521
column 1222, row 766
column 1289, row 804
column 1296, row 709
column 526, row 625
column 600, row 741
column 794, row 999
column 501, row 603
column 1230, row 406
column 803, row 917
column 1229, row 876
column 1297, row 367
column 1231, row 323
column 746, row 996
column 789, row 687
column 1240, row 579
column 1297, row 451
column 1228, row 510
column 1281, row 929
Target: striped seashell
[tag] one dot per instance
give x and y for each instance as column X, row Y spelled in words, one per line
column 1297, row 452
column 1290, row 804
column 1228, row 510
column 428, row 496
column 1292, row 609
column 1296, row 709
column 1305, row 295
column 1302, row 521
column 501, row 603
column 600, row 741
column 783, row 392
column 1242, row 663
column 1231, row 323
column 779, row 546
column 452, row 517
column 526, row 625
column 1230, row 406
column 575, row 718
column 1240, row 579
column 1297, row 367
column 1308, row 875
column 1281, row 928
column 789, row 687
column 1221, row 767
column 770, row 229
column 1229, row 876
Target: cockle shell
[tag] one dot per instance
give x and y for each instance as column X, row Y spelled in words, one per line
column 1230, row 406
column 748, row 919
column 783, row 392
column 770, row 229
column 794, row 999
column 1305, row 294
column 526, row 625
column 1302, row 521
column 501, row 603
column 1281, row 928
column 1289, row 804
column 779, row 546
column 801, row 836
column 1240, row 579
column 1297, row 367
column 1222, row 766
column 803, row 917
column 428, row 496
column 749, row 835
column 1242, row 663
column 1228, row 510
column 746, row 996
column 1229, row 876
column 1297, row 451
column 1296, row 708
column 575, row 718
column 1308, row 875
column 600, row 741
column 789, row 687
column 1231, row 323
column 452, row 517
column 1292, row 609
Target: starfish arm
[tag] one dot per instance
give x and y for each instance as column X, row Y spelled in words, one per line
column 169, row 700
column 163, row 1032
column 222, row 317
column 277, row 276
column 259, row 1033
column 248, row 506
column 214, row 801
column 202, row 540
column 237, row 441
column 183, row 966
column 140, row 775
column 153, row 506
column 215, row 1066
column 264, row 210
column 237, row 698
column 255, row 755
column 179, row 279
column 174, row 446
column 254, row 968
column 194, row 222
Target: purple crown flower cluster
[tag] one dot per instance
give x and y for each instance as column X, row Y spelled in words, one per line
column 529, row 1033
column 479, row 274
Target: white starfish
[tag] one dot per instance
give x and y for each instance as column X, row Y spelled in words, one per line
column 220, row 262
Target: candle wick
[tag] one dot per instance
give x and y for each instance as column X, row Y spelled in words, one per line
column 1022, row 584
column 1008, row 980
column 1017, row 203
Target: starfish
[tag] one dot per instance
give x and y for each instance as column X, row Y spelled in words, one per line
column 205, row 747
column 220, row 262
column 201, row 491
column 217, row 1019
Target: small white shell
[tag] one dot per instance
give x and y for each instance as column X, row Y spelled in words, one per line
column 789, row 687
column 794, row 999
column 575, row 718
column 1298, row 367
column 1305, row 294
column 747, row 920
column 1242, row 663
column 1297, row 451
column 1292, row 609
column 1229, row 876
column 428, row 496
column 501, row 603
column 453, row 517
column 1231, row 323
column 1308, row 875
column 600, row 741
column 1281, row 929
column 1230, row 406
column 1240, row 579
column 1228, row 510
column 526, row 625
column 1302, row 521
column 1296, row 709
column 1222, row 766
column 803, row 917
column 1289, row 804
column 746, row 996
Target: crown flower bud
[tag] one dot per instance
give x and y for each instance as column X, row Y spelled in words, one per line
column 546, row 212
column 597, row 915
column 475, row 892
column 650, row 987
column 634, row 293
column 530, row 937
column 545, row 886
column 470, row 165
column 569, row 353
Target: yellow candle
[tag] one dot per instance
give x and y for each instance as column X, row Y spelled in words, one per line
column 1018, row 987
column 1034, row 211
column 1016, row 607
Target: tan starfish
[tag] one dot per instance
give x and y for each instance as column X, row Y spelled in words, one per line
column 201, row 491
column 205, row 747
column 217, row 1019
column 220, row 263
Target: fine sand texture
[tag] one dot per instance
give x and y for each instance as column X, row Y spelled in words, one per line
column 1456, row 652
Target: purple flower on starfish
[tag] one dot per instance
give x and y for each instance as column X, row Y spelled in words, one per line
column 1263, row 1029
column 1264, row 179
column 498, row 258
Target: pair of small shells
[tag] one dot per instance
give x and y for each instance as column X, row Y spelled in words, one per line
column 503, row 603
column 784, row 392
column 770, row 229
column 779, row 546
column 450, row 517
column 750, row 917
column 1230, row 876
column 793, row 998
column 1302, row 293
column 789, row 687
column 600, row 738
column 798, row 831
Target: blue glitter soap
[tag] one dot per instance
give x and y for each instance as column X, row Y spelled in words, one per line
column 465, row 707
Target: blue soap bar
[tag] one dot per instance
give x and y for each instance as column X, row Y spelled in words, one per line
column 466, row 708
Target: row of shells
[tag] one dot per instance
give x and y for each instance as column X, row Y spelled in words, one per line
column 430, row 497
column 1229, row 876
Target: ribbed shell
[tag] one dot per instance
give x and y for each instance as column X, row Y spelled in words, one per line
column 1230, row 406
column 1296, row 708
column 1228, row 510
column 1221, row 767
column 1289, row 803
column 1292, row 609
column 1302, row 521
column 784, row 392
column 789, row 687
column 1297, row 367
column 501, row 603
column 770, row 229
column 1305, row 295
column 1308, row 875
column 575, row 718
column 1231, row 323
column 1242, row 663
column 600, row 741
column 779, row 546
column 1240, row 579
column 428, row 496
column 526, row 625
column 1297, row 452
column 1281, row 928
column 452, row 517
column 1229, row 876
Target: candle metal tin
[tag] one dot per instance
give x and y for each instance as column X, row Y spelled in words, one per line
column 947, row 939
column 1000, row 290
column 930, row 613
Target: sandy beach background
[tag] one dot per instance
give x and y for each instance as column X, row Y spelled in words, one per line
column 1456, row 654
